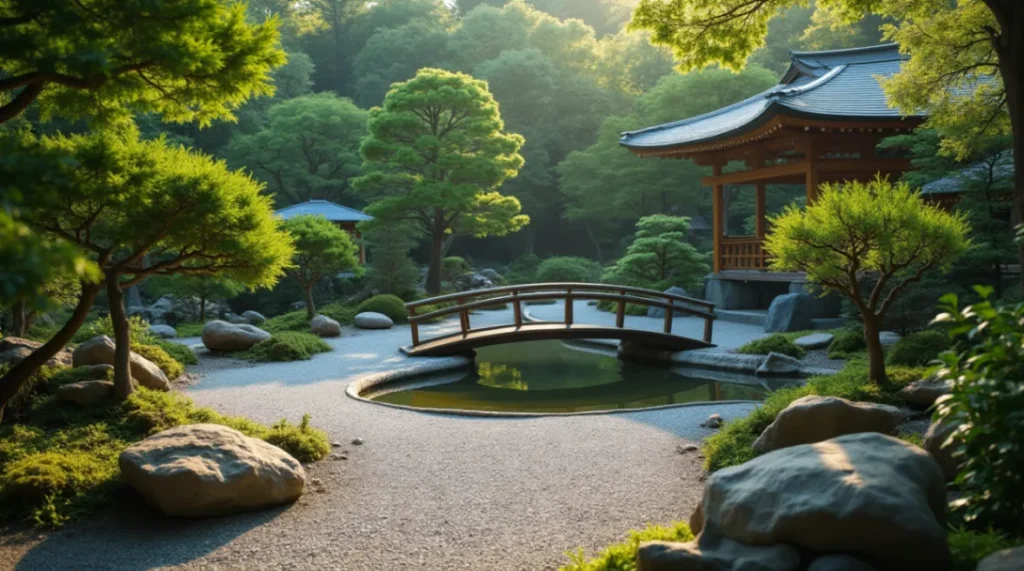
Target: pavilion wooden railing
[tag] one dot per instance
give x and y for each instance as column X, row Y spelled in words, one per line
column 743, row 253
column 569, row 292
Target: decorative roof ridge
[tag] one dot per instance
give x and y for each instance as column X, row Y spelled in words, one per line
column 797, row 90
column 754, row 98
column 845, row 51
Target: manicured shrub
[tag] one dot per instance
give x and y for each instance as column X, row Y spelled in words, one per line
column 622, row 556
column 343, row 314
column 169, row 365
column 454, row 267
column 986, row 403
column 390, row 305
column 847, row 343
column 918, row 349
column 137, row 325
column 286, row 346
column 568, row 269
column 305, row 443
column 181, row 353
column 291, row 321
column 776, row 343
column 523, row 270
column 47, row 484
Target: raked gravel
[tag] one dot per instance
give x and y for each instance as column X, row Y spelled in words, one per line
column 424, row 491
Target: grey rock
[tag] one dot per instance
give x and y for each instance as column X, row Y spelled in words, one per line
column 869, row 495
column 660, row 312
column 200, row 470
column 490, row 274
column 778, row 364
column 14, row 349
column 1011, row 559
column 224, row 336
column 100, row 351
column 85, row 393
column 814, row 341
column 888, row 338
column 163, row 331
column 936, row 442
column 324, row 326
column 373, row 320
column 253, row 317
column 816, row 418
column 789, row 312
column 713, row 421
column 357, row 441
column 236, row 319
column 839, row 562
column 336, row 444
column 686, row 449
column 925, row 392
column 708, row 553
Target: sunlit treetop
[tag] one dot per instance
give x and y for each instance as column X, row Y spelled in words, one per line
column 187, row 60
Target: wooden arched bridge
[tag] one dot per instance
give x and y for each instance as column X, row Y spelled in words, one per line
column 468, row 338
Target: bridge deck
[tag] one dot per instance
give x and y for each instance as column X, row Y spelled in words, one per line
column 459, row 343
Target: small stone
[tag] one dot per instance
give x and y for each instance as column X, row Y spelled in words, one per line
column 814, row 341
column 925, row 392
column 339, row 457
column 687, row 449
column 357, row 441
column 336, row 444
column 713, row 421
column 778, row 364
column 373, row 320
column 86, row 393
column 324, row 326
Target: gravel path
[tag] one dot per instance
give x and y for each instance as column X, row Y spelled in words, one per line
column 425, row 491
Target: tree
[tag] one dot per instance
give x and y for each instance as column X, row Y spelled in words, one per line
column 308, row 149
column 396, row 54
column 660, row 256
column 195, row 289
column 321, row 250
column 141, row 209
column 859, row 232
column 391, row 270
column 436, row 155
column 966, row 62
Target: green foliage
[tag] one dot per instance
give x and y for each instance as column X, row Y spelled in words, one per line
column 308, row 148
column 437, row 153
column 523, row 269
column 343, row 314
column 189, row 329
column 568, row 269
column 660, row 256
column 777, row 343
column 969, row 547
column 918, row 349
column 622, row 556
column 54, row 482
column 286, row 346
column 180, row 353
column 321, row 249
column 732, row 444
column 291, row 321
column 390, row 305
column 986, row 403
column 155, row 353
column 106, row 59
column 138, row 327
column 391, row 269
column 191, row 290
column 305, row 443
column 847, row 343
column 453, row 268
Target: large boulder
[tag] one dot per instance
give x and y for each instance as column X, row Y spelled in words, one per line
column 14, row 349
column 224, row 336
column 708, row 553
column 163, row 331
column 201, row 470
column 778, row 364
column 815, row 341
column 871, row 496
column 85, row 393
column 816, row 418
column 253, row 317
column 324, row 326
column 100, row 351
column 925, row 392
column 660, row 312
column 937, row 443
column 1006, row 560
column 373, row 320
column 790, row 312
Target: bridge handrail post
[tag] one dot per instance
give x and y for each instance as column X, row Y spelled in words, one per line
column 669, row 314
column 568, row 307
column 517, row 308
column 708, row 325
column 620, row 312
column 463, row 317
column 415, row 327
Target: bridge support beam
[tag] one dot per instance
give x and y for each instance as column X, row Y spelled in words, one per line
column 630, row 351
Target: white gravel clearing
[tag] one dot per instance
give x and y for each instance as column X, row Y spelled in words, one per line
column 424, row 491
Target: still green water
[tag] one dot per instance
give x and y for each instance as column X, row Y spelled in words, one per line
column 548, row 376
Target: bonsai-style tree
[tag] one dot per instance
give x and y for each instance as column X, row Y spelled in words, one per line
column 321, row 250
column 436, row 155
column 856, row 232
column 141, row 209
column 660, row 256
column 391, row 269
column 196, row 290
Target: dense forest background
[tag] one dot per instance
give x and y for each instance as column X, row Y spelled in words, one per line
column 567, row 76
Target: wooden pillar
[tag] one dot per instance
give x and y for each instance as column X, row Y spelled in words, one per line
column 717, row 218
column 813, row 179
column 760, row 210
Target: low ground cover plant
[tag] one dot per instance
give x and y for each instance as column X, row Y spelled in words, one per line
column 847, row 343
column 622, row 556
column 59, row 461
column 919, row 349
column 286, row 346
column 772, row 344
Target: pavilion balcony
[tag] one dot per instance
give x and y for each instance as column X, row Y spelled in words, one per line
column 742, row 253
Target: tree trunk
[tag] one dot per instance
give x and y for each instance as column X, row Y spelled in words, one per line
column 12, row 382
column 310, row 308
column 18, row 315
column 593, row 240
column 436, row 255
column 202, row 309
column 876, row 357
column 122, row 339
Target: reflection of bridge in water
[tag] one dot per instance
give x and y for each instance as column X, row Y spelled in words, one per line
column 641, row 340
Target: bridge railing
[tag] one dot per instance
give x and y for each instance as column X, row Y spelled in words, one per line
column 465, row 302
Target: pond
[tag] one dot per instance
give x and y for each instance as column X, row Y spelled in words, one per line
column 554, row 377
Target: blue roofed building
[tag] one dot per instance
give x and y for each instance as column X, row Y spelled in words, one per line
column 821, row 123
column 344, row 217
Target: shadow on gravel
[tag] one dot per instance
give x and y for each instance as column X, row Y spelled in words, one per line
column 134, row 537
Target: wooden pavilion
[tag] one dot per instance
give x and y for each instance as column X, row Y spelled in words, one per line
column 821, row 123
column 342, row 216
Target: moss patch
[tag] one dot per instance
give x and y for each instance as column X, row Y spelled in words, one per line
column 286, row 346
column 622, row 556
column 776, row 343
